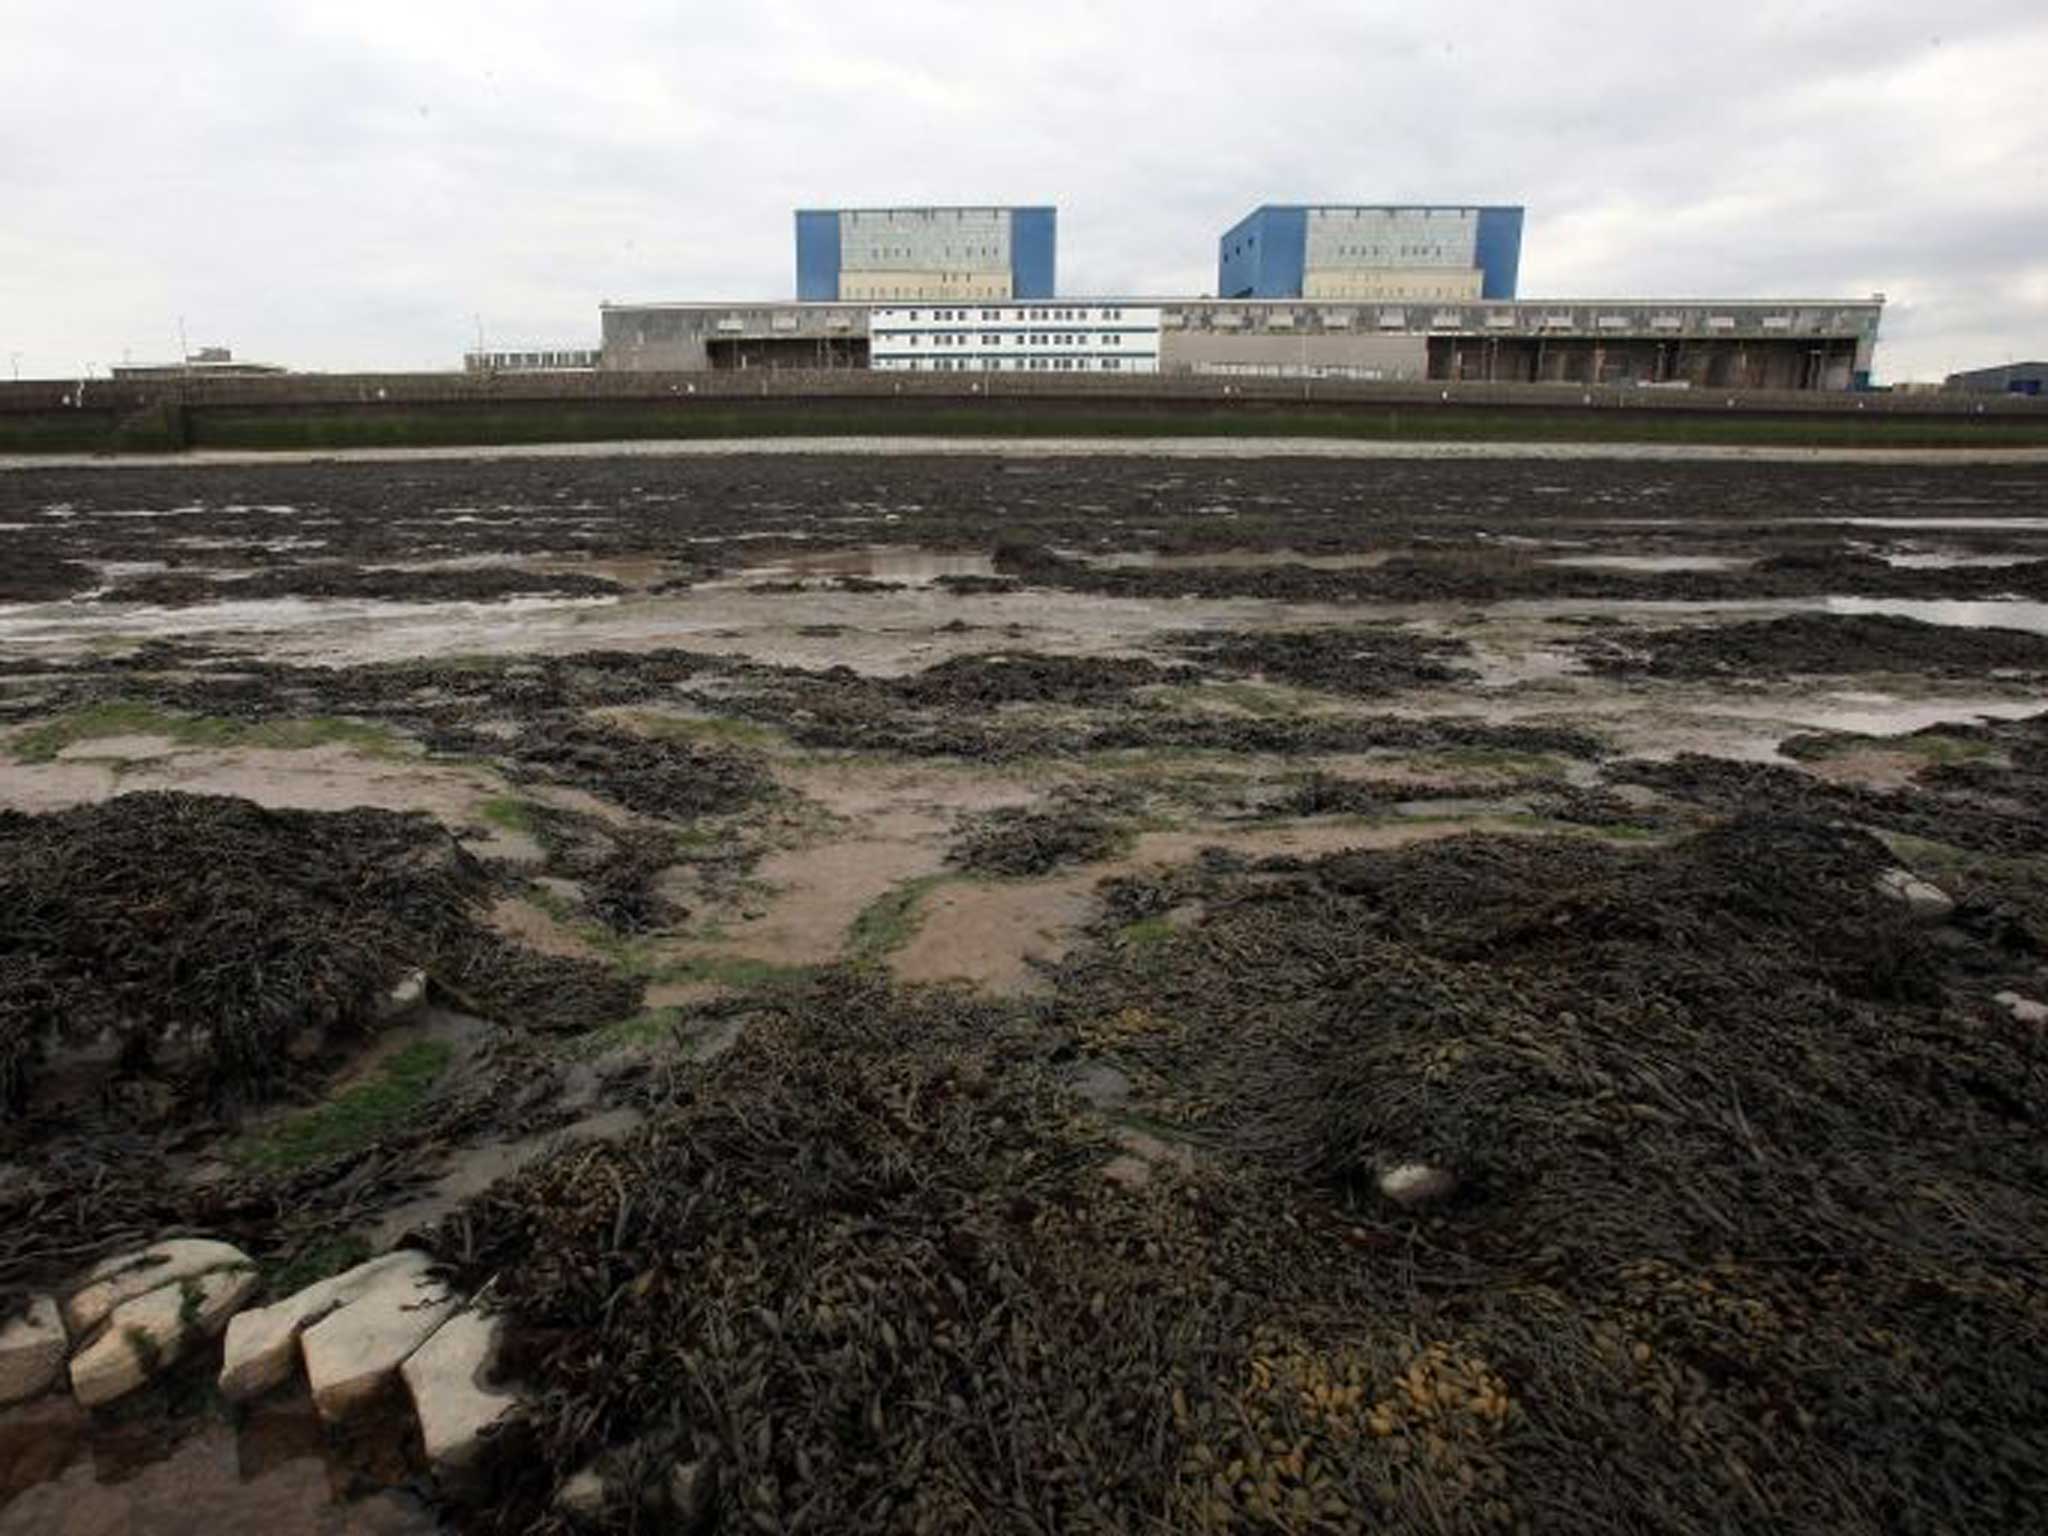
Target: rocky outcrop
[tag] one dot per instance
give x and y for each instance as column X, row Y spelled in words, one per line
column 32, row 1350
column 447, row 1378
column 114, row 1281
column 263, row 1344
column 148, row 1333
column 2025, row 1009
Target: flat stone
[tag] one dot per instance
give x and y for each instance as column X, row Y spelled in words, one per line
column 2025, row 1009
column 147, row 1333
column 1414, row 1185
column 353, row 1355
column 32, row 1351
column 446, row 1377
column 113, row 1281
column 1127, row 1171
column 263, row 1343
column 1927, row 902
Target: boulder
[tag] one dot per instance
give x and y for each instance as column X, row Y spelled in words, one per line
column 263, row 1343
column 584, row 1496
column 2024, row 1009
column 146, row 1334
column 1929, row 903
column 410, row 992
column 353, row 1355
column 446, row 1377
column 114, row 1281
column 32, row 1351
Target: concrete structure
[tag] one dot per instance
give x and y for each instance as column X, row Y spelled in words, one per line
column 2007, row 379
column 1790, row 344
column 1382, row 251
column 1015, row 338
column 928, row 254
column 533, row 360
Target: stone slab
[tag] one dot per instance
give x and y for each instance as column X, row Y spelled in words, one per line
column 147, row 1334
column 354, row 1355
column 262, row 1348
column 32, row 1351
column 113, row 1281
column 447, row 1377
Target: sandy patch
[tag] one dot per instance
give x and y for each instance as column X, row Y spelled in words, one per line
column 536, row 929
column 820, row 892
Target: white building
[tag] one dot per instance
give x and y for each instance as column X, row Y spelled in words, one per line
column 1052, row 337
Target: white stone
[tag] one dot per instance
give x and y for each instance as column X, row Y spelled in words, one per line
column 446, row 1377
column 1417, row 1184
column 32, row 1351
column 262, row 1344
column 353, row 1354
column 113, row 1281
column 2025, row 1009
column 583, row 1496
column 407, row 995
column 147, row 1333
column 1927, row 902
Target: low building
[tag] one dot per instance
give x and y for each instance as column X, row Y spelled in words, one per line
column 534, row 360
column 207, row 363
column 1016, row 338
column 1355, row 251
column 925, row 254
column 1792, row 344
column 2007, row 379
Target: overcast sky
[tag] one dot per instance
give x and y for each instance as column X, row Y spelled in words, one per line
column 357, row 184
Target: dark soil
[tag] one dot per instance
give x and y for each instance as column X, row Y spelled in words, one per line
column 1748, row 1219
column 210, row 932
column 1363, row 659
column 1816, row 644
column 1445, row 522
column 28, row 577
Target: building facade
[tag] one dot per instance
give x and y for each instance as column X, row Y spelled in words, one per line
column 1793, row 344
column 1359, row 252
column 2007, row 379
column 874, row 255
column 1015, row 338
column 533, row 360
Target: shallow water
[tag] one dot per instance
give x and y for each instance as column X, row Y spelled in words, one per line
column 911, row 564
column 1654, row 562
column 1991, row 613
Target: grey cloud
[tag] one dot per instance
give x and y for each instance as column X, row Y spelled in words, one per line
column 354, row 186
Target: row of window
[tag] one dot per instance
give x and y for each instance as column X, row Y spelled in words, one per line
column 1031, row 314
column 1022, row 339
column 1019, row 364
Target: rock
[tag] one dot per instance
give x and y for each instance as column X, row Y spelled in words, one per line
column 407, row 995
column 113, row 1281
column 693, row 1495
column 2025, row 1009
column 353, row 1355
column 32, row 1351
column 446, row 1377
column 1927, row 902
column 1415, row 1185
column 262, row 1343
column 147, row 1333
column 583, row 1496
column 1128, row 1171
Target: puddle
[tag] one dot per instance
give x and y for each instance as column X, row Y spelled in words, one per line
column 1654, row 562
column 1228, row 559
column 1993, row 613
column 1880, row 715
column 77, row 622
column 273, row 1475
column 1957, row 562
column 910, row 564
column 2016, row 524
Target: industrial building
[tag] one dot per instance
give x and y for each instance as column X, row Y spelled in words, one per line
column 533, row 360
column 1365, row 292
column 1357, row 251
column 925, row 254
column 1067, row 337
column 1709, row 344
column 2006, row 379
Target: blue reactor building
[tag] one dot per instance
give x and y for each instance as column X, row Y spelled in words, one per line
column 873, row 255
column 1457, row 253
